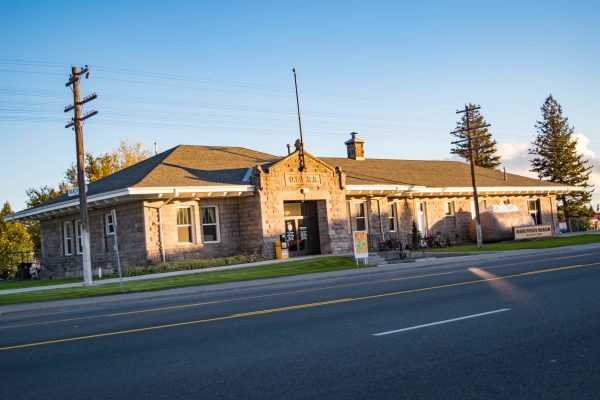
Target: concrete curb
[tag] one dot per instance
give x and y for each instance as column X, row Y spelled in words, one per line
column 95, row 302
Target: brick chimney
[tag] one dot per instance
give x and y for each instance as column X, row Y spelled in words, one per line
column 355, row 147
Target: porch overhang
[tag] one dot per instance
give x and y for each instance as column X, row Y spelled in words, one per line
column 101, row 200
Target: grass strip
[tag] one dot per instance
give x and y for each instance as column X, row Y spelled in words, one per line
column 544, row 243
column 322, row 264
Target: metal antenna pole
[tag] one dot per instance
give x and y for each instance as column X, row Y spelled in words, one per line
column 301, row 147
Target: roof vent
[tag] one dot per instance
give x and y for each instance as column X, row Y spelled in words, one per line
column 355, row 147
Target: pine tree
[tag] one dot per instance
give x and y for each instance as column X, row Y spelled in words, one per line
column 485, row 153
column 556, row 159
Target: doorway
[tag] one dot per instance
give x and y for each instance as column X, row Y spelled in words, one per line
column 301, row 228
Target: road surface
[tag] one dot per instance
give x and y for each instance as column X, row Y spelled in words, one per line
column 520, row 328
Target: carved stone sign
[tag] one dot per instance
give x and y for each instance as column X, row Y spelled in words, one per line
column 292, row 179
column 529, row 232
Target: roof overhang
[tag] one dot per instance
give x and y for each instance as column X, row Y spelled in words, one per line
column 101, row 200
column 424, row 191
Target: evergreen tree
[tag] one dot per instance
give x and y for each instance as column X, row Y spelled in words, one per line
column 556, row 159
column 485, row 153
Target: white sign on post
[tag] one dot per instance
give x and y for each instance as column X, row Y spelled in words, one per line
column 532, row 232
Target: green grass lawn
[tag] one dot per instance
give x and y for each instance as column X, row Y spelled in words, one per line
column 321, row 264
column 526, row 244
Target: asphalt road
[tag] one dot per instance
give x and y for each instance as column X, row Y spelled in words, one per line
column 519, row 328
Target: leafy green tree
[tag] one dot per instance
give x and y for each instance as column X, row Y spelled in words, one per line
column 556, row 159
column 13, row 238
column 97, row 167
column 36, row 197
column 485, row 153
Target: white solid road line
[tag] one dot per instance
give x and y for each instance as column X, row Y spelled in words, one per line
column 441, row 322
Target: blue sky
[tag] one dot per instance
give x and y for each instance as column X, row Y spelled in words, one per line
column 219, row 73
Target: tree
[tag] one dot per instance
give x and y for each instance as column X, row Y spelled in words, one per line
column 485, row 153
column 13, row 238
column 556, row 159
column 36, row 197
column 97, row 167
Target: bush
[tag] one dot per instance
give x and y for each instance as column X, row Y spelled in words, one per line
column 7, row 270
column 186, row 265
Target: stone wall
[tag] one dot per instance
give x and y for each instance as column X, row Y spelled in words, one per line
column 131, row 236
column 230, row 211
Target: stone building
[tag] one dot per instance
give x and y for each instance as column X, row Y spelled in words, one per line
column 206, row 201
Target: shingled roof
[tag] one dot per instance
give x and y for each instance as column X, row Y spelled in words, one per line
column 205, row 166
column 183, row 165
column 438, row 174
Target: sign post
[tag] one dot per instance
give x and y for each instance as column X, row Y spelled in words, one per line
column 361, row 246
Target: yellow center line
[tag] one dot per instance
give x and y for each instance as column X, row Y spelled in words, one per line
column 322, row 288
column 293, row 307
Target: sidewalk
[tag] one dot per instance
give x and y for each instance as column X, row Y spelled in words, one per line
column 75, row 304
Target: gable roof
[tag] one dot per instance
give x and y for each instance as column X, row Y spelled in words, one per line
column 436, row 174
column 214, row 168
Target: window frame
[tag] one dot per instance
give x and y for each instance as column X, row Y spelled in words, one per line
column 108, row 225
column 190, row 225
column 358, row 205
column 68, row 228
column 537, row 211
column 449, row 211
column 216, row 223
column 392, row 217
column 78, row 237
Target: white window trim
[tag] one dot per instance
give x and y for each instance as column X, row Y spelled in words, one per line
column 425, row 222
column 217, row 223
column 65, row 230
column 191, row 225
column 366, row 217
column 393, row 216
column 77, row 236
column 107, row 224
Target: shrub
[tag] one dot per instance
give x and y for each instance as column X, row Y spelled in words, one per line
column 186, row 265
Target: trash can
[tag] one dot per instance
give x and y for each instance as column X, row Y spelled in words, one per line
column 23, row 271
column 281, row 250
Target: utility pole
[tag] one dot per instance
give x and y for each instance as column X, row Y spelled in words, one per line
column 76, row 124
column 301, row 144
column 469, row 141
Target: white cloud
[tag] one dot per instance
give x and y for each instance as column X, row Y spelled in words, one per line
column 510, row 151
column 583, row 145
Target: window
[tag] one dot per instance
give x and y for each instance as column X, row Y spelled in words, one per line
column 533, row 206
column 210, row 224
column 421, row 217
column 109, row 224
column 68, row 237
column 449, row 208
column 78, row 235
column 361, row 216
column 184, row 225
column 392, row 217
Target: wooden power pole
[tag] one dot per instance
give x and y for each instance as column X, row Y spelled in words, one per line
column 469, row 141
column 77, row 126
